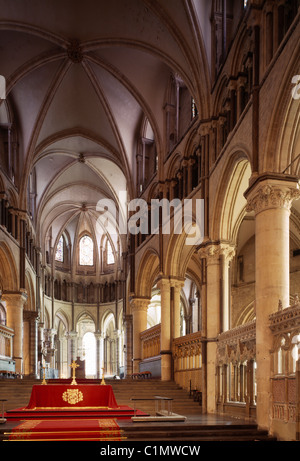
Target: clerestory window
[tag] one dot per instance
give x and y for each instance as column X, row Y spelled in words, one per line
column 59, row 255
column 110, row 254
column 86, row 251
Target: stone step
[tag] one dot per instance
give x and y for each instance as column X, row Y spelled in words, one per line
column 18, row 391
column 186, row 432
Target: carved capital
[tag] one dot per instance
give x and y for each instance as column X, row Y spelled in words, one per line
column 213, row 252
column 14, row 299
column 269, row 194
column 210, row 252
column 228, row 251
column 140, row 304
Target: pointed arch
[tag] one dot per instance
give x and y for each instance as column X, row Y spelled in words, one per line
column 8, row 268
column 148, row 271
column 230, row 202
column 29, row 287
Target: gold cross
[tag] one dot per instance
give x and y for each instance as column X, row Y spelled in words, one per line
column 74, row 366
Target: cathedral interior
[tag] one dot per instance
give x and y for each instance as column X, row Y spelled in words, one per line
column 110, row 108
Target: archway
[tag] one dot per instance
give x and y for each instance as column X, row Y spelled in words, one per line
column 89, row 354
column 86, row 346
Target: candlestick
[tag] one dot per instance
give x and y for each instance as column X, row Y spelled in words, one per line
column 102, row 382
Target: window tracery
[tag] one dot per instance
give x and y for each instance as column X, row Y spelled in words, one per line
column 86, row 251
column 59, row 254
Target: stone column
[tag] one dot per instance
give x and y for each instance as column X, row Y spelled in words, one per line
column 72, row 336
column 32, row 318
column 139, row 313
column 270, row 197
column 213, row 319
column 128, row 344
column 14, row 306
column 226, row 255
column 165, row 340
column 98, row 337
column 176, row 285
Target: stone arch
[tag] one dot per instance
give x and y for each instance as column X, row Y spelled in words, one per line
column 247, row 315
column 174, row 166
column 221, row 95
column 107, row 318
column 147, row 272
column 230, row 203
column 178, row 255
column 8, row 268
column 29, row 287
column 2, row 188
column 187, row 235
column 61, row 318
column 283, row 139
column 85, row 314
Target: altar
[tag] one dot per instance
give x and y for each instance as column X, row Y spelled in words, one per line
column 71, row 400
column 66, row 396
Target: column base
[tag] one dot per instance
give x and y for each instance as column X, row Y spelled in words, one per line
column 136, row 365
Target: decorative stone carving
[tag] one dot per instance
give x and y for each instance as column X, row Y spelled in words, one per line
column 140, row 304
column 237, row 345
column 212, row 252
column 272, row 196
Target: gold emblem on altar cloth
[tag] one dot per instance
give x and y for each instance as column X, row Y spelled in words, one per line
column 72, row 396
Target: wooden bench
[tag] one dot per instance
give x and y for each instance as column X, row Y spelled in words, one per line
column 8, row 374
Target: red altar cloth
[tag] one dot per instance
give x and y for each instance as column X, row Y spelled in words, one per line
column 58, row 396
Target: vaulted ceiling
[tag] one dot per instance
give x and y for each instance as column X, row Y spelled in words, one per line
column 81, row 79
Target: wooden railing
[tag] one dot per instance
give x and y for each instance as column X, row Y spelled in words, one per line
column 187, row 354
column 150, row 344
column 150, row 340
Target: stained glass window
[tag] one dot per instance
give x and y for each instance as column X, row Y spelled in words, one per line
column 110, row 254
column 59, row 255
column 194, row 108
column 86, row 251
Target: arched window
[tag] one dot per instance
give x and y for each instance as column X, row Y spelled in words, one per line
column 86, row 251
column 59, row 255
column 110, row 253
column 89, row 350
column 194, row 108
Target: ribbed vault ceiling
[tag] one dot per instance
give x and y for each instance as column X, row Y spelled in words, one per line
column 81, row 78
